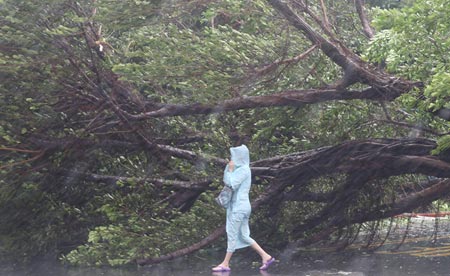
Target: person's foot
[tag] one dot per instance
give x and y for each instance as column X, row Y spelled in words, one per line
column 221, row 268
column 266, row 258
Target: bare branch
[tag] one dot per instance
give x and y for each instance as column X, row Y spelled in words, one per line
column 368, row 30
column 418, row 128
column 408, row 203
column 405, row 125
column 271, row 67
column 19, row 150
column 30, row 160
column 326, row 22
column 323, row 24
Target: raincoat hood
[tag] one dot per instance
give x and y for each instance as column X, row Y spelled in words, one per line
column 240, row 156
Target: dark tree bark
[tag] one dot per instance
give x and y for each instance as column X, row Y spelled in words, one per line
column 294, row 98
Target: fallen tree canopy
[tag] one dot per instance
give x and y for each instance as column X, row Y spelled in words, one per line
column 114, row 132
column 362, row 163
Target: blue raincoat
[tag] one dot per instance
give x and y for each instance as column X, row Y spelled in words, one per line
column 238, row 213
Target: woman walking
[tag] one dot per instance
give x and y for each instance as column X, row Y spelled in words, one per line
column 237, row 175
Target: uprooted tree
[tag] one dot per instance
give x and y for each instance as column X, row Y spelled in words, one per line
column 117, row 117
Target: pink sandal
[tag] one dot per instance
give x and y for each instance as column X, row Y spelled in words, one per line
column 266, row 265
column 220, row 268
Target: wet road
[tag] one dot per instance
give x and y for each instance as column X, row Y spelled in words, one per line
column 314, row 264
column 423, row 252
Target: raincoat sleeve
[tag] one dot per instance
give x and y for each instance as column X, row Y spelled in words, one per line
column 235, row 178
column 226, row 177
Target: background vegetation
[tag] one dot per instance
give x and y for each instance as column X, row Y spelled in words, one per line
column 86, row 176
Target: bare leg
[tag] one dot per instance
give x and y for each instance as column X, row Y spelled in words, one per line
column 226, row 260
column 264, row 256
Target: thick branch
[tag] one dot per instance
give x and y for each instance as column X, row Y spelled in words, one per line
column 407, row 189
column 61, row 144
column 327, row 47
column 216, row 234
column 355, row 70
column 405, row 204
column 368, row 31
column 158, row 182
column 326, row 22
column 293, row 98
column 380, row 157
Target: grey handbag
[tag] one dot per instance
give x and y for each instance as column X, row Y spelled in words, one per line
column 224, row 197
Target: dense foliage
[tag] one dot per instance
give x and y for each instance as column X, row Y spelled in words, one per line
column 413, row 43
column 80, row 179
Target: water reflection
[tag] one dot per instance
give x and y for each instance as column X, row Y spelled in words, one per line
column 228, row 273
column 265, row 273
